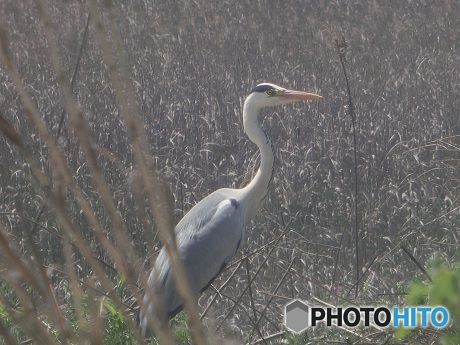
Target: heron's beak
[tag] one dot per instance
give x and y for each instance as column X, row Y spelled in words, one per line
column 292, row 96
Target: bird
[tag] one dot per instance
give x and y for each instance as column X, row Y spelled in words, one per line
column 210, row 234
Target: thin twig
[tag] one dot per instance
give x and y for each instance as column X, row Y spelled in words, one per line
column 365, row 273
column 218, row 291
column 74, row 73
column 269, row 337
column 342, row 46
column 414, row 260
column 274, row 293
column 336, row 261
column 251, row 299
column 256, row 273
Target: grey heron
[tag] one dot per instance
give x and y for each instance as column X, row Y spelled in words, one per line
column 210, row 234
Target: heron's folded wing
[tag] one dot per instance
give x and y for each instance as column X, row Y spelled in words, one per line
column 205, row 250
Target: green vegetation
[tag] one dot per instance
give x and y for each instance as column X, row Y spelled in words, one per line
column 442, row 290
column 157, row 86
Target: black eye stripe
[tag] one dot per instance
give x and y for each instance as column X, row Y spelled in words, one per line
column 262, row 88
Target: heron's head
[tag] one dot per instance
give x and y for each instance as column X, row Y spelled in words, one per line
column 269, row 95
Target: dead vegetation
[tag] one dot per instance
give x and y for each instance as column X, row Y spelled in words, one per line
column 158, row 87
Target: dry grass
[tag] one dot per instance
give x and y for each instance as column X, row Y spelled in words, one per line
column 156, row 101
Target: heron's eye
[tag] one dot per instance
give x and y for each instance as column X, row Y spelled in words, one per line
column 271, row 92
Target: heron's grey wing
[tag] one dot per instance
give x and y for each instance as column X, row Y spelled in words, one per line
column 207, row 238
column 206, row 250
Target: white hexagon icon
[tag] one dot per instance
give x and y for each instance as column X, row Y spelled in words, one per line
column 296, row 316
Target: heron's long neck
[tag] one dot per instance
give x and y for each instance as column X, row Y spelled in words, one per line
column 255, row 192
